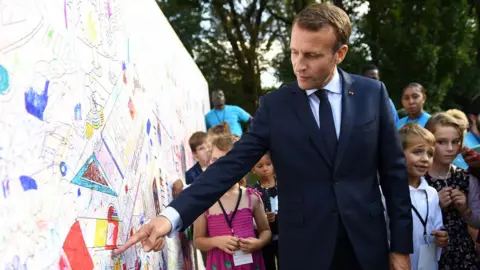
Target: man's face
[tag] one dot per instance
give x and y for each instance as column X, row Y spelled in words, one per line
column 313, row 57
column 372, row 74
column 218, row 98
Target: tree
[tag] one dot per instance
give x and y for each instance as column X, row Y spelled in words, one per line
column 230, row 44
column 423, row 41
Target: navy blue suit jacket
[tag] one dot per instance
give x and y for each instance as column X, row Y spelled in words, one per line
column 313, row 190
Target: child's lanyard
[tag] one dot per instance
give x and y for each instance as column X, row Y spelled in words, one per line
column 423, row 221
column 230, row 221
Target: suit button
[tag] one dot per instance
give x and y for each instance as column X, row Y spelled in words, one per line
column 334, row 212
column 335, row 182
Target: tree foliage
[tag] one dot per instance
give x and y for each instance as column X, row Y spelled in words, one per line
column 433, row 42
column 428, row 42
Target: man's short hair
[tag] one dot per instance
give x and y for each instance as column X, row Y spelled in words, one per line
column 198, row 138
column 318, row 16
column 410, row 130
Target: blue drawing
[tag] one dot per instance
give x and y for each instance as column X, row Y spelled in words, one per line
column 78, row 111
column 79, row 193
column 114, row 161
column 92, row 176
column 4, row 80
column 63, row 168
column 149, row 125
column 36, row 103
column 5, row 187
column 159, row 134
column 28, row 182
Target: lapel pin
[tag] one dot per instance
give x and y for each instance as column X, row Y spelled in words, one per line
column 350, row 92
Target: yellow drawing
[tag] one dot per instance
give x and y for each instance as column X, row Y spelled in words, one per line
column 95, row 119
column 101, row 233
column 90, row 29
column 116, row 266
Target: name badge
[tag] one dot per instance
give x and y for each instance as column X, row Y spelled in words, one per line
column 427, row 258
column 274, row 204
column 240, row 258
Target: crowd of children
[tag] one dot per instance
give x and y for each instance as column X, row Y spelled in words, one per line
column 240, row 230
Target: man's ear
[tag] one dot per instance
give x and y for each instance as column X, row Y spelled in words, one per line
column 340, row 54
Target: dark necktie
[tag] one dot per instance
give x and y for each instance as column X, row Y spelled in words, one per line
column 327, row 125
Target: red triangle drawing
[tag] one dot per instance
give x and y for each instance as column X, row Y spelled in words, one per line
column 93, row 174
column 75, row 249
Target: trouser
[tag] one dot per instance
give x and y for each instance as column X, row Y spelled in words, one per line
column 270, row 255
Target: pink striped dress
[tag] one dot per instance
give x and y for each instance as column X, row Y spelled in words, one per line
column 243, row 228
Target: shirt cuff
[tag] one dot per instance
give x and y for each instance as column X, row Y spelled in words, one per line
column 175, row 220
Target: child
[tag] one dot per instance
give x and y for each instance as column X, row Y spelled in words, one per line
column 267, row 186
column 428, row 238
column 201, row 152
column 457, row 191
column 413, row 99
column 217, row 131
column 226, row 230
column 461, row 118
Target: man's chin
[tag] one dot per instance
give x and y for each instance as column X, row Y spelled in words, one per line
column 304, row 85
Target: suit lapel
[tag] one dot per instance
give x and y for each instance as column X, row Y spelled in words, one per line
column 348, row 115
column 304, row 113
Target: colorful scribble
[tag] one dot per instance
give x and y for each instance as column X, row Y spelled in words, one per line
column 92, row 176
column 95, row 118
column 149, row 125
column 75, row 249
column 4, row 80
column 28, row 182
column 36, row 103
column 156, row 200
column 78, row 112
column 63, row 168
column 131, row 108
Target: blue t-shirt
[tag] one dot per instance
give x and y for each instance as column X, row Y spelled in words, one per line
column 233, row 115
column 469, row 140
column 422, row 120
column 394, row 111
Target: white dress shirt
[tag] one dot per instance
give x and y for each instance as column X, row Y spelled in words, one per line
column 334, row 88
column 435, row 221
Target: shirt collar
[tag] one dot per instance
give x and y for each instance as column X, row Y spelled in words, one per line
column 334, row 86
column 423, row 185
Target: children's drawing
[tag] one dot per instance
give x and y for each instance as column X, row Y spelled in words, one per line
column 91, row 137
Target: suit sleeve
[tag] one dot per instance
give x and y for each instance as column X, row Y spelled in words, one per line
column 394, row 180
column 225, row 172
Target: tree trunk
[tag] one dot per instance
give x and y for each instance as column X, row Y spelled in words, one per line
column 252, row 88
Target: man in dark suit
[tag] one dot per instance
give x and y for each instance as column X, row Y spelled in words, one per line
column 328, row 134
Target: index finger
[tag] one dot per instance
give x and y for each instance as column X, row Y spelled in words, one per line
column 140, row 235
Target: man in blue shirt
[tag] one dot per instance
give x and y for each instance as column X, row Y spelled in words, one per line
column 230, row 114
column 372, row 72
